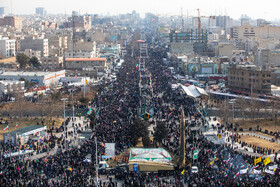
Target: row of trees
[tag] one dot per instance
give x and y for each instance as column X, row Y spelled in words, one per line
column 249, row 108
column 25, row 62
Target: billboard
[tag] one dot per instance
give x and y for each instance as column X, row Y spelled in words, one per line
column 110, row 150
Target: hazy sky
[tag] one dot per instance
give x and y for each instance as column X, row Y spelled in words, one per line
column 268, row 9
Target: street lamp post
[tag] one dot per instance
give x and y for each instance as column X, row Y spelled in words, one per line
column 64, row 100
column 73, row 111
column 97, row 164
column 232, row 101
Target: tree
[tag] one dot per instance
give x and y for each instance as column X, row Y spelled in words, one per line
column 84, row 100
column 56, row 96
column 34, row 62
column 161, row 131
column 23, row 60
column 138, row 129
column 146, row 141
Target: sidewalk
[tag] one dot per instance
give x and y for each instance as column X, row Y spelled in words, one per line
column 74, row 137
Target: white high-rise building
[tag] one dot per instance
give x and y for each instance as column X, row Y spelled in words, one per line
column 7, row 48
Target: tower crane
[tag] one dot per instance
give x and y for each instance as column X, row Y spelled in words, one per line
column 199, row 22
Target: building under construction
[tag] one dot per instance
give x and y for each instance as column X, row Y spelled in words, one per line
column 193, row 39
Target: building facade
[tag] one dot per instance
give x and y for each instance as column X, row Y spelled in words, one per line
column 12, row 21
column 31, row 53
column 11, row 87
column 90, row 67
column 35, row 44
column 249, row 79
column 52, row 62
column 8, row 48
column 40, row 78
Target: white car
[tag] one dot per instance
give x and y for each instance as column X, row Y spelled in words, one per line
column 194, row 169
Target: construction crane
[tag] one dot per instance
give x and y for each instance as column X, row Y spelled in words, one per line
column 199, row 22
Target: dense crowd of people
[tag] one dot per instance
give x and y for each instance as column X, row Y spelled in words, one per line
column 116, row 105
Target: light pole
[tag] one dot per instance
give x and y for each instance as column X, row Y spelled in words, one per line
column 232, row 101
column 97, row 164
column 64, row 100
column 73, row 112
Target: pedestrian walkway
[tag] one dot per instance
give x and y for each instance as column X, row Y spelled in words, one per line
column 73, row 139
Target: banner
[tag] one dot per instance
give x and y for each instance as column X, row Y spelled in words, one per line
column 243, row 171
column 266, row 161
column 110, row 150
column 257, row 171
column 257, row 160
column 273, row 167
column 269, row 171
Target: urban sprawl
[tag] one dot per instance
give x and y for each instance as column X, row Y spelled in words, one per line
column 92, row 100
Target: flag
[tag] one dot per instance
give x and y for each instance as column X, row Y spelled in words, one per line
column 183, row 172
column 228, row 159
column 212, row 163
column 236, row 175
column 6, row 128
column 242, row 166
column 266, row 161
column 16, row 126
column 215, row 152
column 1, row 172
column 257, row 160
column 226, row 175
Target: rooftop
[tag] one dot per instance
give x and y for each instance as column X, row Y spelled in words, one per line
column 85, row 59
column 25, row 130
column 25, row 73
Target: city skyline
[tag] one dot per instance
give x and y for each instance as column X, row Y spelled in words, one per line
column 163, row 7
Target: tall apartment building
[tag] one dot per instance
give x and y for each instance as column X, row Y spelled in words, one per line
column 249, row 78
column 12, row 21
column 35, row 44
column 224, row 21
column 2, row 11
column 267, row 59
column 57, row 45
column 245, row 32
column 79, row 21
column 8, row 48
column 40, row 11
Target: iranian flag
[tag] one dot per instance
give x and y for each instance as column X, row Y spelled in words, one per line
column 16, row 126
column 6, row 128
